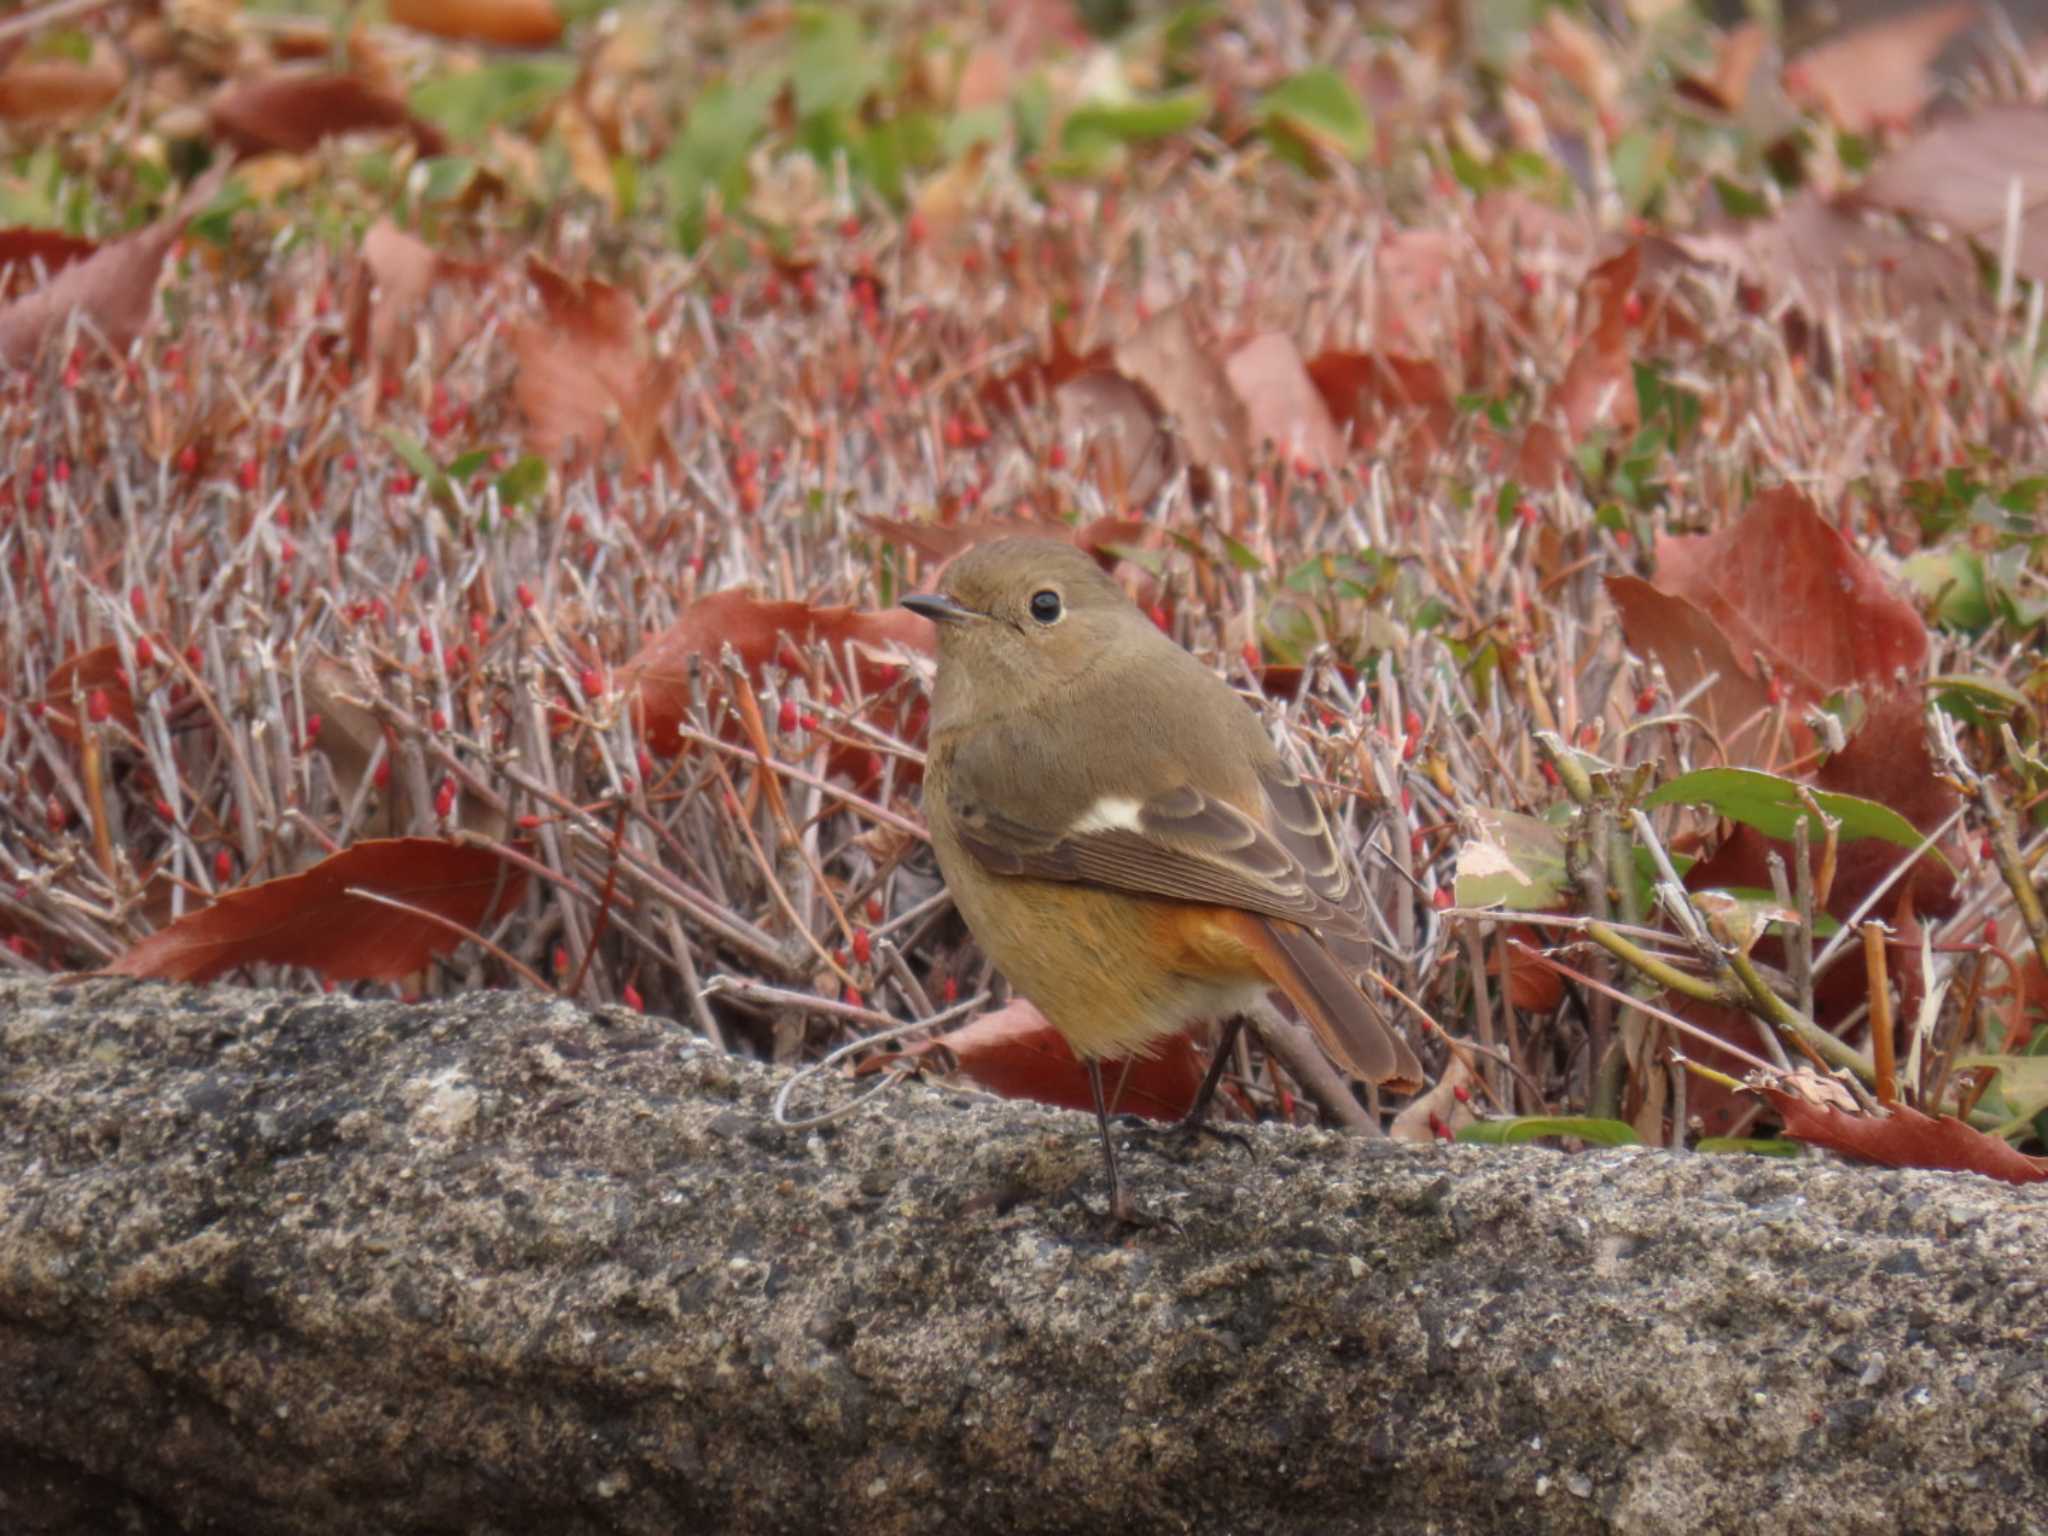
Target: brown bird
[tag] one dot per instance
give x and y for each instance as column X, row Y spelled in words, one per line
column 1119, row 832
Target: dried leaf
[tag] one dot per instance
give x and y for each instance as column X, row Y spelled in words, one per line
column 512, row 23
column 294, row 109
column 114, row 287
column 1903, row 1138
column 1960, row 173
column 1878, row 74
column 1180, row 371
column 1282, row 404
column 32, row 256
column 311, row 919
column 586, row 372
column 1726, row 86
column 874, row 645
column 1015, row 1052
column 36, row 90
column 1784, row 584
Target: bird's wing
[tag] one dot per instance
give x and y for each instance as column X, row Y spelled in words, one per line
column 1193, row 845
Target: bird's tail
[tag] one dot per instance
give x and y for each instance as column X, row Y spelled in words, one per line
column 1347, row 1023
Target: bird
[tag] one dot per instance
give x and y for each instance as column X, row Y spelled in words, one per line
column 1119, row 832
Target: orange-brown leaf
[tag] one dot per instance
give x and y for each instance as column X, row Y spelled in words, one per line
column 114, row 287
column 311, row 919
column 1015, row 1052
column 1880, row 73
column 294, row 109
column 1904, row 1138
column 23, row 251
column 511, row 23
column 587, row 373
column 1783, row 583
column 38, row 89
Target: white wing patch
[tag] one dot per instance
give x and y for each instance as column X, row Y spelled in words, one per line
column 1112, row 813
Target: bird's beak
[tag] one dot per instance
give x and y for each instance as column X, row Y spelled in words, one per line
column 939, row 608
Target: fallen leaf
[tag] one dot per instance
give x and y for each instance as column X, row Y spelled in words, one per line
column 114, row 288
column 38, row 90
column 1180, row 371
column 511, row 23
column 1691, row 646
column 1371, row 392
column 872, row 645
column 1961, row 173
column 1783, row 583
column 1879, row 74
column 1015, row 1052
column 1117, row 423
column 587, row 373
column 294, row 109
column 29, row 257
column 1281, row 402
column 1903, row 1138
column 311, row 919
column 1598, row 384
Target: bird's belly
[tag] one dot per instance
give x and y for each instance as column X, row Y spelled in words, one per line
column 1110, row 970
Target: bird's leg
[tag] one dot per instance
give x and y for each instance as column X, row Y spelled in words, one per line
column 1192, row 1122
column 1122, row 1210
column 1195, row 1122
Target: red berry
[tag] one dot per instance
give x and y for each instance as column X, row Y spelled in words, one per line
column 525, row 595
column 630, row 996
column 592, row 682
column 145, row 653
column 1991, row 931
column 426, row 640
column 1646, row 701
column 1440, row 898
column 785, row 719
column 223, row 867
column 98, row 707
column 863, row 947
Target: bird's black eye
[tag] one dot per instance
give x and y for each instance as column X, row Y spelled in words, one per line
column 1045, row 606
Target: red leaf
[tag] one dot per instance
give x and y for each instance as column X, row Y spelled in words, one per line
column 22, row 249
column 310, row 919
column 1691, row 646
column 294, row 109
column 77, row 677
column 586, row 371
column 1881, row 73
column 1371, row 391
column 760, row 632
column 1904, row 1138
column 1013, row 1051
column 1598, row 384
column 1783, row 583
column 513, row 23
column 1282, row 403
column 34, row 90
column 115, row 286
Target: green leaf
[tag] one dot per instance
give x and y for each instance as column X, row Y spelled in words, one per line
column 1952, row 582
column 504, row 91
column 444, row 178
column 1756, row 1146
column 415, row 454
column 725, row 122
column 1515, row 1131
column 1241, row 556
column 1771, row 804
column 1127, row 122
column 1317, row 106
column 2022, row 1082
column 833, row 68
column 1515, row 861
column 523, row 482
